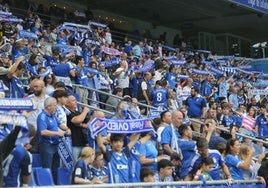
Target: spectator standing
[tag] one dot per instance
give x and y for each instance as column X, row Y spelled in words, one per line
column 77, row 122
column 122, row 75
column 118, row 156
column 262, row 123
column 48, row 134
column 170, row 135
column 144, row 89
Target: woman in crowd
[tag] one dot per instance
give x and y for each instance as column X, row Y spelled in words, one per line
column 236, row 165
column 252, row 172
column 81, row 173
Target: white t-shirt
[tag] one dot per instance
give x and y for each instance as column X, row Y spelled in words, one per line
column 123, row 79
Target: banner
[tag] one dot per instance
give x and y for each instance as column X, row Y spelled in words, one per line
column 65, row 153
column 16, row 104
column 120, row 126
column 258, row 5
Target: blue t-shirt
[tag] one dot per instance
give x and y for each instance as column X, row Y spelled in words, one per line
column 206, row 89
column 232, row 163
column 62, row 69
column 134, row 164
column 17, row 164
column 170, row 136
column 262, row 124
column 149, row 150
column 171, row 78
column 218, row 162
column 159, row 97
column 51, row 61
column 195, row 106
column 188, row 149
column 49, row 122
column 118, row 166
column 81, row 170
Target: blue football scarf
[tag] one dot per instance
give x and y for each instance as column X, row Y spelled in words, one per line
column 65, row 152
column 169, row 48
column 110, row 51
column 203, row 52
column 9, row 121
column 93, row 42
column 229, row 69
column 199, row 72
column 16, row 104
column 97, row 24
column 111, row 62
column 215, row 70
column 148, row 66
column 154, row 114
column 175, row 61
column 10, row 20
column 91, row 70
column 120, row 126
column 27, row 34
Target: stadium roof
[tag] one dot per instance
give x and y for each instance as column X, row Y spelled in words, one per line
column 192, row 16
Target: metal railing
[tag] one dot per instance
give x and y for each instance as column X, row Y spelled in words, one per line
column 115, row 96
column 190, row 184
column 225, row 130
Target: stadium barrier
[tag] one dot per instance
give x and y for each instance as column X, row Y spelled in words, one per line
column 178, row 184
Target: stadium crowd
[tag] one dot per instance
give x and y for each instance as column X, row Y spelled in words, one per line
column 202, row 105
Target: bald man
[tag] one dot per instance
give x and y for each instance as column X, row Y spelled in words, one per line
column 77, row 121
column 38, row 97
column 170, row 135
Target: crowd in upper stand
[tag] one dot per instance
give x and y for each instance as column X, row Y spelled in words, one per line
column 185, row 86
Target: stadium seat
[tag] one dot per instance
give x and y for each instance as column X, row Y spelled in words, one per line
column 32, row 182
column 36, row 160
column 63, row 176
column 43, row 177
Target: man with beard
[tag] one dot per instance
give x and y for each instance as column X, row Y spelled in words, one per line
column 196, row 106
column 38, row 97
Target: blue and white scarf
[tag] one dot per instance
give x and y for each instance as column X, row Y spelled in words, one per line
column 120, row 126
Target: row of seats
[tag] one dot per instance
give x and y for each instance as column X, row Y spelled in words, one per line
column 43, row 176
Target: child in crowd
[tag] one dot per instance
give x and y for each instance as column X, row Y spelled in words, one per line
column 203, row 171
column 117, row 157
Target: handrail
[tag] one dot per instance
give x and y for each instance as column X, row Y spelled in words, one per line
column 109, row 94
column 95, row 108
column 239, row 134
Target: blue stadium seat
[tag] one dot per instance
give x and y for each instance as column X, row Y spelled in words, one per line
column 43, row 177
column 36, row 160
column 63, row 176
column 32, row 182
